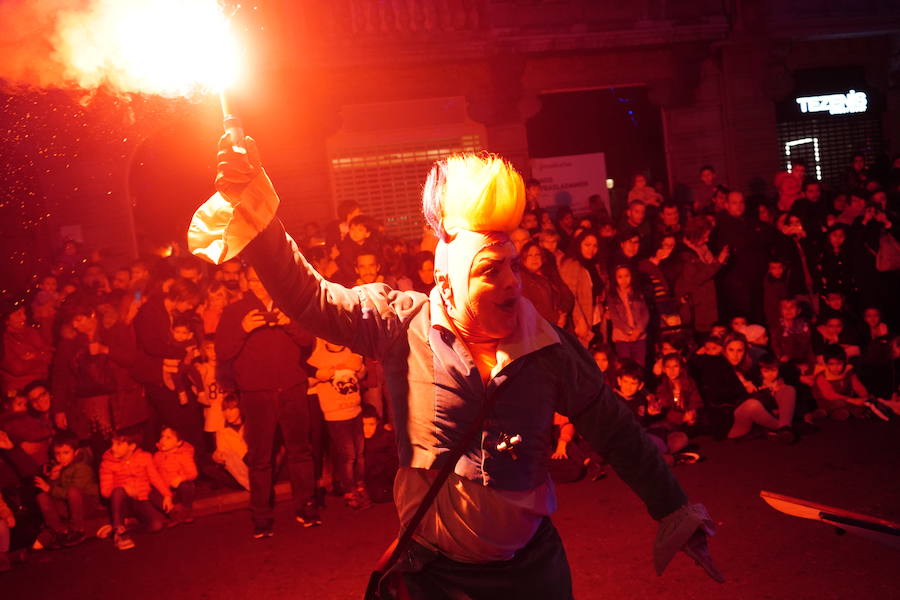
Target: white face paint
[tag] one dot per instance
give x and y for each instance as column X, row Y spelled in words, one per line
column 481, row 284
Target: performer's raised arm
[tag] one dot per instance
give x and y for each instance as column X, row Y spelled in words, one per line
column 240, row 219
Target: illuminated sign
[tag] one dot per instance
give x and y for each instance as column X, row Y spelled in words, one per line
column 835, row 104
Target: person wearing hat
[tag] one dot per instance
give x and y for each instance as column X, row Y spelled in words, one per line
column 472, row 341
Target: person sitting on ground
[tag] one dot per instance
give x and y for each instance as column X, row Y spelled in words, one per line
column 227, row 423
column 792, row 337
column 832, row 331
column 174, row 460
column 68, row 494
column 679, row 400
column 757, row 342
column 721, row 370
column 771, row 405
column 28, row 429
column 380, row 456
column 572, row 458
column 127, row 474
column 630, row 389
column 838, row 391
column 336, row 382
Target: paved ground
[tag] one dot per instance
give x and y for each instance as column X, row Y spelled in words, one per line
column 766, row 555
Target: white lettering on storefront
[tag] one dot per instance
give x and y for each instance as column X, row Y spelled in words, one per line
column 835, row 104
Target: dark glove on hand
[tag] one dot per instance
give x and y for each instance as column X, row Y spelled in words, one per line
column 697, row 547
column 686, row 529
column 234, row 171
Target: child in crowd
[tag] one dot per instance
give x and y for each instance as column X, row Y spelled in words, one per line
column 605, row 359
column 336, row 382
column 7, row 522
column 174, row 460
column 678, row 398
column 833, row 331
column 792, row 337
column 380, row 456
column 28, row 423
column 67, row 489
column 757, row 341
column 185, row 376
column 231, row 447
column 630, row 389
column 838, row 391
column 358, row 241
column 775, row 290
column 127, row 474
column 572, row 458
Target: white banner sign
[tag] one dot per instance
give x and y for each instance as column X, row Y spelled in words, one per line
column 571, row 180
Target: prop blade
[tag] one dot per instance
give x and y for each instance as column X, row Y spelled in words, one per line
column 879, row 530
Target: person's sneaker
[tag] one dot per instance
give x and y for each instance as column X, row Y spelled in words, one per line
column 876, row 410
column 815, row 416
column 309, row 515
column 786, row 435
column 595, row 472
column 104, row 531
column 73, row 538
column 687, row 458
column 123, row 541
column 263, row 530
column 362, row 499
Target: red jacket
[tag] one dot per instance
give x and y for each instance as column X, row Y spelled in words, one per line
column 134, row 474
column 177, row 462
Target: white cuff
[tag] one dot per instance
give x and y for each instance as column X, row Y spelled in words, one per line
column 222, row 228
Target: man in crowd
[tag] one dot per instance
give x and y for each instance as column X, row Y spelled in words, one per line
column 261, row 351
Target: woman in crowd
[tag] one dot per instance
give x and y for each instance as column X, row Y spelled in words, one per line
column 629, row 316
column 26, row 355
column 542, row 285
column 583, row 276
column 695, row 287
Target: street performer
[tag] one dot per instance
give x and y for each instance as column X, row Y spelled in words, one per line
column 473, row 343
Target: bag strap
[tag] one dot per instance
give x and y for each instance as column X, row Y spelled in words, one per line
column 452, row 458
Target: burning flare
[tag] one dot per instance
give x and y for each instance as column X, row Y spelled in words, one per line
column 162, row 47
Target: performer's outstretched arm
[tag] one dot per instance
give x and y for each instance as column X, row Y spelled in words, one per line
column 610, row 427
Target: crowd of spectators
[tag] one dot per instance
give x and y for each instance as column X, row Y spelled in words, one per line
column 128, row 391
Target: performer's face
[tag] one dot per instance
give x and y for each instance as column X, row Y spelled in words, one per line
column 494, row 290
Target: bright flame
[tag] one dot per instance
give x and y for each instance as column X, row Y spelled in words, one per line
column 163, row 47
